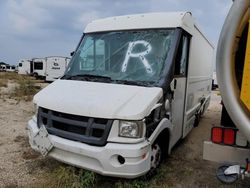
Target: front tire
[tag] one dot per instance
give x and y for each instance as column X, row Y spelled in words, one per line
column 156, row 160
column 156, row 156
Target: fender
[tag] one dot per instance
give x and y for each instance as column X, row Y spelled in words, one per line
column 164, row 124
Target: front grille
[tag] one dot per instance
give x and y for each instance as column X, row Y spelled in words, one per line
column 93, row 131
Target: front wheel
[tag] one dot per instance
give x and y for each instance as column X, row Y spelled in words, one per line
column 156, row 156
column 156, row 160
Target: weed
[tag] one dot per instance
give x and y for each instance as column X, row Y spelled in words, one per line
column 24, row 86
column 25, row 89
column 67, row 176
column 9, row 76
column 18, row 86
column 87, row 178
column 138, row 184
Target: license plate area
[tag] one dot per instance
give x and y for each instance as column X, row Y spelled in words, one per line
column 42, row 141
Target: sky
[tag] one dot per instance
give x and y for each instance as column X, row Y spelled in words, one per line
column 40, row 28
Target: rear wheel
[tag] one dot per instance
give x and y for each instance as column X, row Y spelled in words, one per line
column 197, row 119
column 35, row 75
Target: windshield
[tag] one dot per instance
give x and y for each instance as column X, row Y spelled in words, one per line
column 135, row 56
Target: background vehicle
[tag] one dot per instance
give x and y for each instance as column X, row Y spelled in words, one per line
column 25, row 67
column 10, row 68
column 55, row 67
column 135, row 86
column 230, row 142
column 3, row 68
column 39, row 67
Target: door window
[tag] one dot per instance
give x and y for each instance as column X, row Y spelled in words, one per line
column 92, row 55
column 38, row 65
column 182, row 57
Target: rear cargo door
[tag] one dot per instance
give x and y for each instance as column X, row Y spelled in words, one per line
column 55, row 68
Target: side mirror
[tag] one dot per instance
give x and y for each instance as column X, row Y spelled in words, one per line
column 72, row 53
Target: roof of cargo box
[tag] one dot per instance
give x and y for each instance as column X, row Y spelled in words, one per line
column 142, row 21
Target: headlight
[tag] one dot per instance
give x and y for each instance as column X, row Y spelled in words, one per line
column 35, row 110
column 131, row 129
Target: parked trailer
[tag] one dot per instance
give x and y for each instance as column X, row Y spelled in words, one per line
column 10, row 68
column 230, row 142
column 135, row 86
column 25, row 67
column 55, row 67
column 39, row 67
column 3, row 68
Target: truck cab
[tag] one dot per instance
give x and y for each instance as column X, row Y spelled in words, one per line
column 135, row 86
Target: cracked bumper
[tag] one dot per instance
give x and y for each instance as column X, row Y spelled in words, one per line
column 102, row 160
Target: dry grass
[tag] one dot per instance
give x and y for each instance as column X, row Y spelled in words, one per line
column 3, row 83
column 67, row 176
column 25, row 89
column 25, row 86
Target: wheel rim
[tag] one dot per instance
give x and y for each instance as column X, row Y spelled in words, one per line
column 155, row 156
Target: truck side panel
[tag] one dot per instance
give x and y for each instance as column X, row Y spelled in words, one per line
column 199, row 78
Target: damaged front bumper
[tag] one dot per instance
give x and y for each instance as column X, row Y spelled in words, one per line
column 103, row 160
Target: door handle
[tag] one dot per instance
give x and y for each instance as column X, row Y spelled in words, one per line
column 173, row 84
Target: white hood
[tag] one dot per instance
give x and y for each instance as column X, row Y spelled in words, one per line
column 103, row 100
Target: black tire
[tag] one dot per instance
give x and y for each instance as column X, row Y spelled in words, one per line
column 197, row 119
column 203, row 109
column 156, row 160
column 35, row 75
column 228, row 179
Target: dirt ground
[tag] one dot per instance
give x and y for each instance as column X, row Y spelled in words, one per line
column 21, row 167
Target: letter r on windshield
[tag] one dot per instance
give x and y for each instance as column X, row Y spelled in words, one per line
column 140, row 55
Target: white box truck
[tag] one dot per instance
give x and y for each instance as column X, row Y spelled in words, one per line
column 55, row 67
column 135, row 85
column 229, row 143
column 25, row 67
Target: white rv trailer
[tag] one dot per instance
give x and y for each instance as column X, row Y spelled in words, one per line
column 55, row 67
column 10, row 68
column 3, row 68
column 25, row 67
column 39, row 67
column 135, row 85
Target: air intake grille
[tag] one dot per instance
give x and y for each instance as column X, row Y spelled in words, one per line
column 93, row 131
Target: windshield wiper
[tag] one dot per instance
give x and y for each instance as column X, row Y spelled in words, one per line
column 90, row 77
column 87, row 77
column 130, row 82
